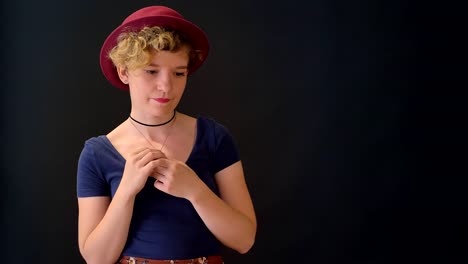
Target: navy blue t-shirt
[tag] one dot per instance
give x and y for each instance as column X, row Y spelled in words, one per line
column 162, row 226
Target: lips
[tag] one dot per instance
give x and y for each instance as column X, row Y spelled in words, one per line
column 162, row 100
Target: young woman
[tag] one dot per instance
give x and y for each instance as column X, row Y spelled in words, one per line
column 162, row 187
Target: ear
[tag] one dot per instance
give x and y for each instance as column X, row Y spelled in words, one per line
column 123, row 74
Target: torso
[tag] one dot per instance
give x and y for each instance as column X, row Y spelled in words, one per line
column 179, row 231
column 182, row 134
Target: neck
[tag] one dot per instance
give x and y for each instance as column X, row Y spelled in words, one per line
column 154, row 124
column 151, row 135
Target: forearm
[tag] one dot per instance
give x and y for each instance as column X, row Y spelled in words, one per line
column 106, row 242
column 230, row 226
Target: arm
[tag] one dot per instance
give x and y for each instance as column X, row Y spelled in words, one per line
column 103, row 223
column 230, row 217
column 103, row 227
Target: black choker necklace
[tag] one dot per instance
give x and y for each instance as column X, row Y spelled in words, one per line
column 172, row 118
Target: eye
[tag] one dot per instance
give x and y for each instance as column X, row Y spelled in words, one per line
column 181, row 74
column 151, row 72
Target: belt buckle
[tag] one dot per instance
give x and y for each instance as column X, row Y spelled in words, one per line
column 132, row 260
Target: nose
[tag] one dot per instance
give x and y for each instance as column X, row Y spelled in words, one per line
column 164, row 82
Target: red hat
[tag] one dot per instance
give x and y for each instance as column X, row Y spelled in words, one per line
column 153, row 16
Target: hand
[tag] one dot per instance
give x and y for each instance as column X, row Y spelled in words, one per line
column 138, row 167
column 176, row 178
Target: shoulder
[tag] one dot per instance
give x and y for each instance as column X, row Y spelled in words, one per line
column 212, row 124
column 216, row 132
column 95, row 142
column 199, row 120
column 96, row 146
column 186, row 121
column 98, row 152
column 220, row 141
column 91, row 146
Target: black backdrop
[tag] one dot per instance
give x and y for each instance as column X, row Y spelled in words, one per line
column 348, row 116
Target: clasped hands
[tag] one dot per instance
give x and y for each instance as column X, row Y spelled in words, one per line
column 172, row 176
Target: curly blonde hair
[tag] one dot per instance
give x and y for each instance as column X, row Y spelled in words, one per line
column 134, row 49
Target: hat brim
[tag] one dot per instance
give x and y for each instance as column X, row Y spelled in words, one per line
column 196, row 36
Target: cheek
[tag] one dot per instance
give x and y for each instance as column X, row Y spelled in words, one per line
column 180, row 85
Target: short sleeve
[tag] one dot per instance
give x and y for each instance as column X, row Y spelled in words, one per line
column 90, row 180
column 226, row 151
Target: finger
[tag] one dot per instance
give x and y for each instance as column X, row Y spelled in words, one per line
column 139, row 153
column 162, row 162
column 142, row 152
column 159, row 177
column 159, row 173
column 160, row 180
column 160, row 167
column 158, row 184
column 151, row 169
column 159, row 153
column 137, row 150
column 150, row 156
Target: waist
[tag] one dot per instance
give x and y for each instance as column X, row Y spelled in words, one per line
column 200, row 260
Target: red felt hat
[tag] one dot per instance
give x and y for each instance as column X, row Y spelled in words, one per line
column 153, row 16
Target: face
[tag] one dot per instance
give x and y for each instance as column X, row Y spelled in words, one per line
column 156, row 89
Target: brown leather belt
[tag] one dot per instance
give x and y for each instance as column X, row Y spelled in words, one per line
column 201, row 260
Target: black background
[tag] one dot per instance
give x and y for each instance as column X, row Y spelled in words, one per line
column 349, row 116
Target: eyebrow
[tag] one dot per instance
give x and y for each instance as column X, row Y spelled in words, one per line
column 178, row 67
